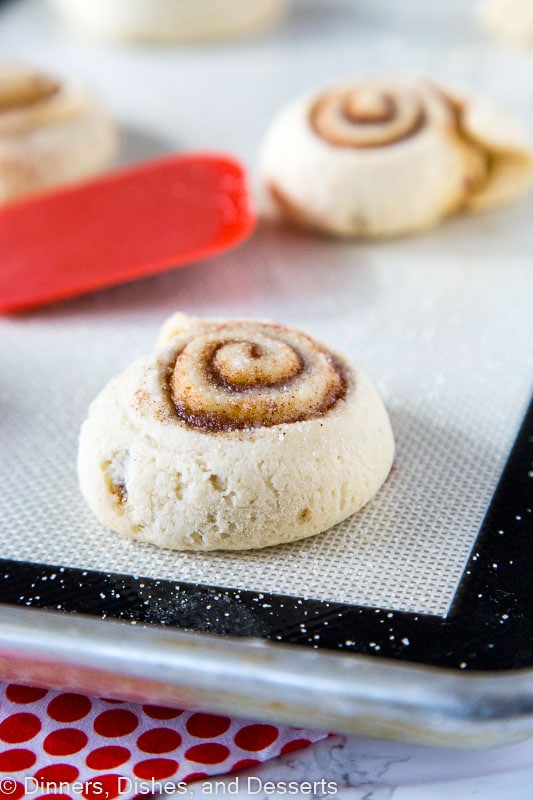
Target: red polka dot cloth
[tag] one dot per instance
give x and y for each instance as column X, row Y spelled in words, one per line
column 60, row 745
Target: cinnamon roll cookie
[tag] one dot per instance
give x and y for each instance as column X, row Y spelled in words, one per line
column 233, row 435
column 170, row 20
column 50, row 132
column 382, row 157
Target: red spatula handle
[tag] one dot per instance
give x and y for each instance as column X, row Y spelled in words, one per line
column 126, row 224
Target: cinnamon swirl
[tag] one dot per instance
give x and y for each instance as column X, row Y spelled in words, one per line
column 383, row 157
column 234, row 434
column 50, row 132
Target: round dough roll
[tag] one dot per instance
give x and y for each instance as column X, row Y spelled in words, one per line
column 384, row 156
column 170, row 20
column 234, row 434
column 50, row 133
column 509, row 19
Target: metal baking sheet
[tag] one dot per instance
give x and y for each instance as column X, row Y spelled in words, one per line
column 441, row 322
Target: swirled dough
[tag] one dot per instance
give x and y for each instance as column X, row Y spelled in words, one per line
column 509, row 19
column 232, row 435
column 50, row 133
column 170, row 20
column 383, row 157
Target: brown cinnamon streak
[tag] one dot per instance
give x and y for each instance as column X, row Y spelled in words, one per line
column 221, row 422
column 38, row 92
column 330, row 136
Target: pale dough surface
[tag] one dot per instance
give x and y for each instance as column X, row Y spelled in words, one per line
column 50, row 138
column 147, row 474
column 509, row 19
column 170, row 20
column 465, row 155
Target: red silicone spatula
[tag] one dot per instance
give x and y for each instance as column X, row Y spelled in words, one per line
column 125, row 224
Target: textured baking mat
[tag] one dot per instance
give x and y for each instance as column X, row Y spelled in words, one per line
column 447, row 341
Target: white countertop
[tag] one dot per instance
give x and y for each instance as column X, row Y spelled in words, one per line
column 354, row 768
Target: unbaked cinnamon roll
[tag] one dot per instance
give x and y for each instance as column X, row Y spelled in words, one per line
column 170, row 20
column 509, row 19
column 50, row 133
column 234, row 434
column 382, row 157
